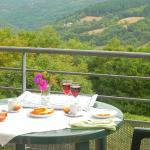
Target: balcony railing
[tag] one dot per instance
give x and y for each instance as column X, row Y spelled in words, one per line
column 98, row 53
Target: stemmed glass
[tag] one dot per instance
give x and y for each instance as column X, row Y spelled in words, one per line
column 75, row 89
column 66, row 84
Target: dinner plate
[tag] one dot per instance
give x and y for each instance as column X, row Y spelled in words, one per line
column 103, row 113
column 40, row 116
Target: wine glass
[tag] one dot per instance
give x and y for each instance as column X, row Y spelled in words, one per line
column 66, row 84
column 75, row 89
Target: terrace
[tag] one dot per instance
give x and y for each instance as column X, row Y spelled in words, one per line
column 121, row 140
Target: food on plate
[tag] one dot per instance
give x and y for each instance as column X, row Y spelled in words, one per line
column 103, row 114
column 66, row 109
column 42, row 111
column 3, row 116
column 17, row 107
column 39, row 110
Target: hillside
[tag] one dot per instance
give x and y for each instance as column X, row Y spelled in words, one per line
column 96, row 21
column 31, row 14
column 128, row 21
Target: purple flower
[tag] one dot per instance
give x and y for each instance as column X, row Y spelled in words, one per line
column 38, row 78
column 43, row 85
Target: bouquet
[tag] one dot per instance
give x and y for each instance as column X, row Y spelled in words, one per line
column 44, row 80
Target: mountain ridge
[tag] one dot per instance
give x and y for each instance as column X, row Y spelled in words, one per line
column 31, row 14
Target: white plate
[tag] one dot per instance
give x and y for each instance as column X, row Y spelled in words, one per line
column 13, row 111
column 98, row 116
column 79, row 114
column 40, row 116
column 102, row 113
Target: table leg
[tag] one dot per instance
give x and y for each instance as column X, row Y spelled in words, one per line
column 20, row 147
column 82, row 146
column 101, row 144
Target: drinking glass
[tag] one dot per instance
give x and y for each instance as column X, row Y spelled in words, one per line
column 75, row 89
column 66, row 84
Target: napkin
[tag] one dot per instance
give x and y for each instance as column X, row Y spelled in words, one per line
column 28, row 99
column 93, row 124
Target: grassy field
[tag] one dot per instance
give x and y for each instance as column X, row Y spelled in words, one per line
column 130, row 20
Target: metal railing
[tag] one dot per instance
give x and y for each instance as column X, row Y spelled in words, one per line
column 98, row 53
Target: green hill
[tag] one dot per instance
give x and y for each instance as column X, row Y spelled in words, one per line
column 31, row 14
column 98, row 21
column 126, row 20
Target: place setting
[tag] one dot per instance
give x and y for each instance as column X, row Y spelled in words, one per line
column 12, row 106
column 41, row 112
column 96, row 118
column 102, row 113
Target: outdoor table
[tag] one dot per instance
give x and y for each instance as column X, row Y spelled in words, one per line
column 65, row 136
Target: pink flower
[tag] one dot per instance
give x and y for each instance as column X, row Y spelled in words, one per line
column 38, row 78
column 43, row 85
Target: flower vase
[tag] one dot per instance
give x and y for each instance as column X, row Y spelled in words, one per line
column 45, row 96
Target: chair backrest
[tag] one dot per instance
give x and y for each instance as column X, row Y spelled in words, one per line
column 139, row 134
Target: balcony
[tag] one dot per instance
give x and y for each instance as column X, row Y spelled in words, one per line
column 121, row 140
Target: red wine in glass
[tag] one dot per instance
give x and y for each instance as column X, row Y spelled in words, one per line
column 75, row 90
column 66, row 87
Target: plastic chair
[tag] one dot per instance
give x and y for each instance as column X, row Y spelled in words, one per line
column 138, row 134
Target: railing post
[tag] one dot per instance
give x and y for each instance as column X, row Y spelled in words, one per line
column 24, row 72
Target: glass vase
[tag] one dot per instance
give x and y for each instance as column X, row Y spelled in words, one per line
column 45, row 96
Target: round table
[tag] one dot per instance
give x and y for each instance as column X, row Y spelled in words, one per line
column 79, row 137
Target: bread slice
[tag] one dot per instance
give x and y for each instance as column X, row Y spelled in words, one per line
column 42, row 111
column 48, row 111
